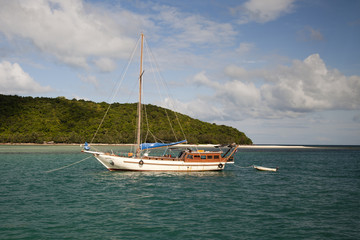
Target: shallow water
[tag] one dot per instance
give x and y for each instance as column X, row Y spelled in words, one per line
column 314, row 195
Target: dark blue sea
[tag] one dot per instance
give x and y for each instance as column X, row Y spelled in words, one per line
column 314, row 195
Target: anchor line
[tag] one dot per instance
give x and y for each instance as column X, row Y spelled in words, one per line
column 251, row 166
column 57, row 169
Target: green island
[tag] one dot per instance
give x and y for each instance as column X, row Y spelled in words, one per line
column 60, row 120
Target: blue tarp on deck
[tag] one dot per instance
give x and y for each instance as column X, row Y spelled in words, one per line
column 159, row 145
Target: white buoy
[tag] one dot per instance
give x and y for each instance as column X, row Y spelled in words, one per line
column 260, row 168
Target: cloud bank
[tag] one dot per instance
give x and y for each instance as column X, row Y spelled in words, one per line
column 287, row 91
column 186, row 30
column 13, row 80
column 262, row 11
column 83, row 34
column 72, row 31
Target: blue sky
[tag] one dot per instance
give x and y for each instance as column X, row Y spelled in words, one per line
column 282, row 71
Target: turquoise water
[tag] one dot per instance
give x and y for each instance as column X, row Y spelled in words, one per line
column 314, row 195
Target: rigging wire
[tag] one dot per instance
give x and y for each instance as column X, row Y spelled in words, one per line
column 136, row 83
column 116, row 89
column 251, row 166
column 57, row 169
column 156, row 70
column 115, row 92
column 148, row 128
column 147, row 125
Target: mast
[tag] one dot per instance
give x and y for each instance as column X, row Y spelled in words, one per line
column 138, row 139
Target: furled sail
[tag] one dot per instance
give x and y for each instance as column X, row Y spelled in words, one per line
column 159, row 145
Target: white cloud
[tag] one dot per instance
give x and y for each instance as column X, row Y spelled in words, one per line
column 90, row 80
column 263, row 10
column 238, row 72
column 316, row 35
column 70, row 30
column 81, row 33
column 287, row 91
column 105, row 64
column 13, row 80
column 310, row 34
column 309, row 85
column 244, row 48
column 201, row 79
column 199, row 106
column 187, row 30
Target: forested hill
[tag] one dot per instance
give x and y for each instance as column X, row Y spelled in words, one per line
column 59, row 120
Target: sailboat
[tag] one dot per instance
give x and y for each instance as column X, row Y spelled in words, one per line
column 187, row 160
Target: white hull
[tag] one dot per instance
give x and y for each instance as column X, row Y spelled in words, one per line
column 116, row 163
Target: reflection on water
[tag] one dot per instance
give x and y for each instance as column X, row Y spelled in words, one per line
column 154, row 176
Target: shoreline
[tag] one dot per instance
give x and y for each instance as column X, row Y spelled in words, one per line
column 255, row 146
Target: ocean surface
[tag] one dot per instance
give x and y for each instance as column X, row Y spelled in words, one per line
column 314, row 195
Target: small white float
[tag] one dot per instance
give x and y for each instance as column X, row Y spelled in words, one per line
column 260, row 168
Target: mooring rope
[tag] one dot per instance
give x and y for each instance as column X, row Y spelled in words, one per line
column 57, row 169
column 251, row 166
